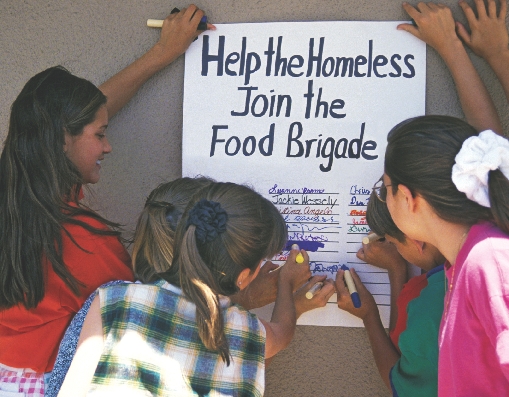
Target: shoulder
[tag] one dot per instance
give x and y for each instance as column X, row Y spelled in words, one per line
column 429, row 302
column 485, row 243
column 485, row 240
column 414, row 287
column 485, row 259
column 239, row 318
column 81, row 244
column 126, row 292
column 76, row 229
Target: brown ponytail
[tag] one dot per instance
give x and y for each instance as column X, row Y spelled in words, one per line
column 207, row 269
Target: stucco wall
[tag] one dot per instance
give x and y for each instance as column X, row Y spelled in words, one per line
column 96, row 38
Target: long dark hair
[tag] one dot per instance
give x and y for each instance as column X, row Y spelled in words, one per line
column 420, row 155
column 39, row 186
column 254, row 230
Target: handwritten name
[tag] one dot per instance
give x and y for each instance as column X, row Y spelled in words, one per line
column 304, row 190
column 358, row 229
column 321, row 268
column 359, row 190
column 306, row 237
column 279, row 199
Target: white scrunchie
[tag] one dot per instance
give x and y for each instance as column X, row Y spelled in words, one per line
column 478, row 156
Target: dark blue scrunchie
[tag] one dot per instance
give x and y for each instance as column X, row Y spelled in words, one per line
column 209, row 219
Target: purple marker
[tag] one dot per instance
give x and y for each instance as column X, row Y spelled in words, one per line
column 351, row 287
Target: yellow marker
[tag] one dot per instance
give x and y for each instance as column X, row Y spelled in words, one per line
column 370, row 238
column 299, row 258
column 314, row 289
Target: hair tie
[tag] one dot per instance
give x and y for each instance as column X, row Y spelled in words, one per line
column 478, row 156
column 209, row 219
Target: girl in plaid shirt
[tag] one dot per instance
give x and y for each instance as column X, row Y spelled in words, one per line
column 181, row 335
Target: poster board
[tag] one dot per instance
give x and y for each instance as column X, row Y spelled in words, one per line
column 300, row 112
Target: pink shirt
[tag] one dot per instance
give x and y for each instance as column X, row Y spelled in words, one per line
column 474, row 334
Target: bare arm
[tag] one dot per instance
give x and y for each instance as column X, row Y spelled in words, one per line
column 281, row 327
column 178, row 32
column 90, row 346
column 384, row 352
column 436, row 27
column 488, row 37
column 384, row 255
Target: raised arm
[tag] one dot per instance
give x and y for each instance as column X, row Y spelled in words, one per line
column 436, row 27
column 178, row 32
column 488, row 37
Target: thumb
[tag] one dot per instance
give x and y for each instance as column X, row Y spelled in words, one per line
column 463, row 33
column 408, row 27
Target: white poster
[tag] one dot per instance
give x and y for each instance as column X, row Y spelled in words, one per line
column 300, row 112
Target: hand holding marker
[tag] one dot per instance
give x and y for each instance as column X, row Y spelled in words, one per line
column 315, row 288
column 158, row 23
column 351, row 287
column 299, row 258
column 370, row 238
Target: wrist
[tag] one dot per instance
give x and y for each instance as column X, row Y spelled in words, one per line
column 451, row 49
column 298, row 309
column 371, row 318
column 285, row 284
column 497, row 59
column 398, row 272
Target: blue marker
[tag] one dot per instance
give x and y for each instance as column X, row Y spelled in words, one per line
column 351, row 287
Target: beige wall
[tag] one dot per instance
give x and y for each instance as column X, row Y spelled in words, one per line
column 96, row 38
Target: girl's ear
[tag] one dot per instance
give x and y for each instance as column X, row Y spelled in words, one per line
column 410, row 200
column 246, row 276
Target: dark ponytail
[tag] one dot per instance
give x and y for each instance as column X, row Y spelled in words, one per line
column 420, row 154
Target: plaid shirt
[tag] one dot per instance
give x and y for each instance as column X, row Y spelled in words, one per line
column 152, row 347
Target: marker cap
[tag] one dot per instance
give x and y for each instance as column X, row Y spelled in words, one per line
column 356, row 299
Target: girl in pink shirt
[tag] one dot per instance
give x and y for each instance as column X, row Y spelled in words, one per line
column 448, row 186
